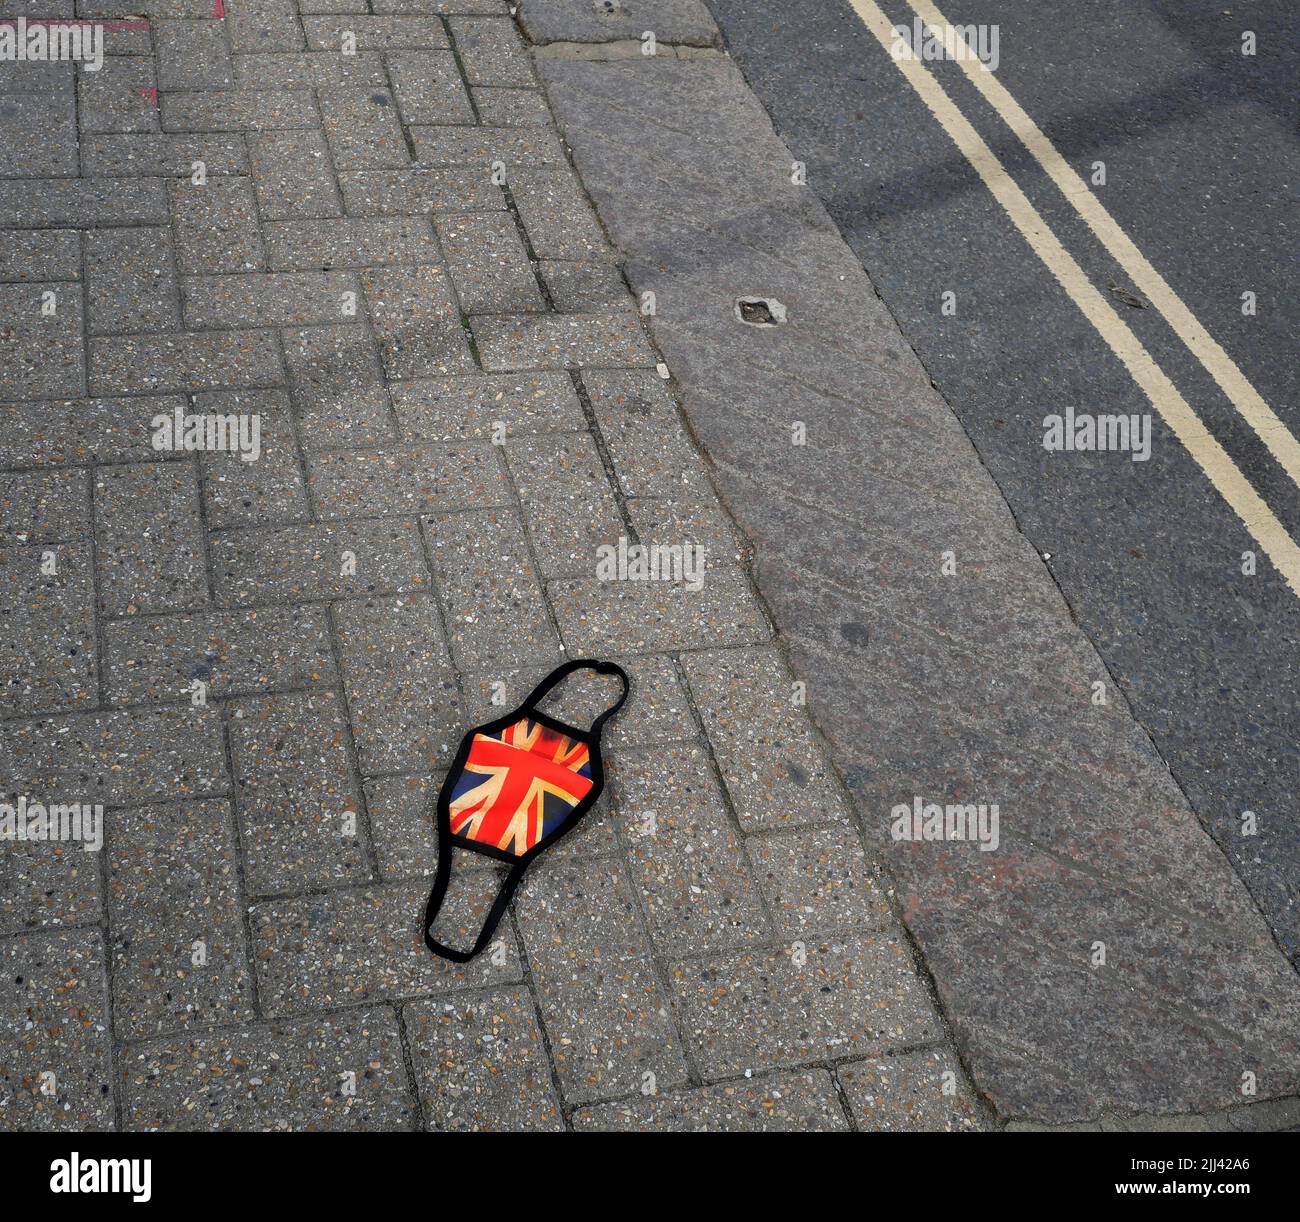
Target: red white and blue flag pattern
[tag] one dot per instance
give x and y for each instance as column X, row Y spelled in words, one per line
column 519, row 785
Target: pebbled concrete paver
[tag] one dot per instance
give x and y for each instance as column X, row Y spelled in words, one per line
column 56, row 1072
column 334, row 1073
column 481, row 1064
column 672, row 21
column 179, row 953
column 300, row 814
column 777, row 1103
column 909, row 1093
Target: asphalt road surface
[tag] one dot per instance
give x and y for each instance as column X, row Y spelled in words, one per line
column 1201, row 167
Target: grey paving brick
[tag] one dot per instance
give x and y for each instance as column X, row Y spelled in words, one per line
column 411, row 192
column 492, row 405
column 332, row 560
column 293, row 175
column 232, row 653
column 429, row 87
column 150, row 555
column 280, row 1076
column 338, row 386
column 493, row 602
column 237, row 110
column 600, row 616
column 300, row 817
column 192, row 55
column 489, row 264
column 401, row 822
column 754, row 715
column 362, row 128
column 673, row 21
column 562, row 341
column 177, row 926
column 816, row 880
column 375, row 33
column 579, row 912
column 131, row 281
column 268, row 299
column 41, row 353
column 762, row 1009
column 45, row 884
column 164, row 155
column 117, row 758
column 511, row 107
column 403, row 700
column 38, row 134
column 702, row 523
column 568, row 501
column 127, row 37
column 914, row 1092
column 351, row 242
column 263, row 25
column 80, row 431
column 120, row 97
column 444, row 7
column 416, row 322
column 40, row 254
column 82, row 202
column 492, row 51
column 411, row 480
column 481, row 1065
column 310, row 69
column 361, row 944
column 49, row 76
column 556, row 215
column 263, row 491
column 684, row 853
column 803, row 1102
column 493, row 691
column 610, row 1029
column 216, row 225
column 480, row 147
column 590, row 286
column 47, row 630
column 54, row 1020
column 44, row 506
column 652, row 455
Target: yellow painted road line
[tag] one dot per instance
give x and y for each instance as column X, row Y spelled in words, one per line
column 1219, row 468
column 1249, row 403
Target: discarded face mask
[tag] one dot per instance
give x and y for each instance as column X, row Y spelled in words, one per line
column 517, row 785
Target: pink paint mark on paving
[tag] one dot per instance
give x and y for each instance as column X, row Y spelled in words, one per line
column 219, row 9
column 151, row 94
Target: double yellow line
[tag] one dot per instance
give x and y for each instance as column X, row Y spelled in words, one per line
column 1186, row 425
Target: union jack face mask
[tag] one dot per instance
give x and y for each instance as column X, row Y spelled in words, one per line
column 517, row 785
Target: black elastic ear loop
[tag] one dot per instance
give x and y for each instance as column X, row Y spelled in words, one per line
column 439, row 893
column 443, row 875
column 566, row 669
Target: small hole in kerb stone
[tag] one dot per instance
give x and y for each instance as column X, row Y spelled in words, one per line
column 760, row 311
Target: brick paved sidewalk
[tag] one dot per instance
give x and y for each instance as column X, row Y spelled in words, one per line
column 360, row 230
